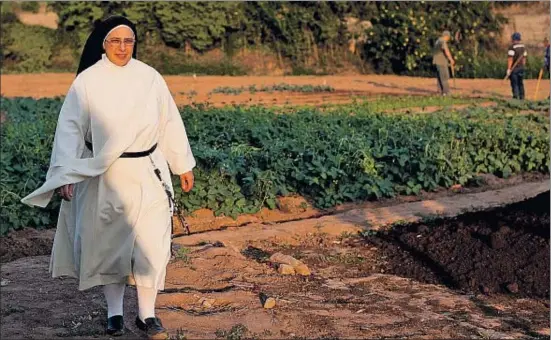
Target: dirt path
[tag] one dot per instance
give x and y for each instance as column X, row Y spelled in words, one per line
column 362, row 219
column 346, row 88
column 213, row 288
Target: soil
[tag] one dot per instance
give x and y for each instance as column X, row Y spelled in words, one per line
column 32, row 242
column 26, row 242
column 347, row 88
column 505, row 250
column 359, row 287
column 214, row 289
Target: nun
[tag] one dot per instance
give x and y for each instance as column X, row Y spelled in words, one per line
column 118, row 138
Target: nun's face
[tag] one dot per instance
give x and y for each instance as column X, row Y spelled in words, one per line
column 119, row 46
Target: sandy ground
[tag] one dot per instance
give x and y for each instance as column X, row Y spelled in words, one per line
column 187, row 89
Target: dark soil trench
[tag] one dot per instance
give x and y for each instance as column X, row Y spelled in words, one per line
column 504, row 250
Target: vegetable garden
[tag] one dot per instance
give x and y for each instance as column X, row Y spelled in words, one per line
column 248, row 156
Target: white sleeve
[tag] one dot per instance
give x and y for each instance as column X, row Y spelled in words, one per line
column 72, row 124
column 173, row 140
column 511, row 53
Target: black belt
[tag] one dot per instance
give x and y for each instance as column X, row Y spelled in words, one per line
column 138, row 154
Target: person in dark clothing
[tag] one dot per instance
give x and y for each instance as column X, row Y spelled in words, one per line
column 546, row 55
column 515, row 65
column 546, row 59
column 440, row 57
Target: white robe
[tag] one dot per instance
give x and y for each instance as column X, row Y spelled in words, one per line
column 117, row 227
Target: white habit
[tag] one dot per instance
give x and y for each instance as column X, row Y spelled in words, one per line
column 117, row 227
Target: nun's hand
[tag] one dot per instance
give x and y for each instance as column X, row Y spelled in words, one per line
column 66, row 191
column 187, row 181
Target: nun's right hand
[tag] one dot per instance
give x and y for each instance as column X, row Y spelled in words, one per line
column 66, row 191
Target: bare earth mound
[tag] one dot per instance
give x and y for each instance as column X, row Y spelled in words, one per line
column 501, row 251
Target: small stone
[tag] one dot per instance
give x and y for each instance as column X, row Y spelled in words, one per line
column 207, row 302
column 302, row 269
column 267, row 302
column 270, row 303
column 456, row 187
column 285, row 269
column 284, row 259
column 4, row 282
column 512, row 287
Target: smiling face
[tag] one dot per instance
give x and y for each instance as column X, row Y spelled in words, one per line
column 119, row 45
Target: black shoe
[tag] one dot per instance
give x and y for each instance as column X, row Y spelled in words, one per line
column 115, row 325
column 153, row 327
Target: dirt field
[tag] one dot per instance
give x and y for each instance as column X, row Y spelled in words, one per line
column 482, row 275
column 411, row 283
column 346, row 88
column 383, row 285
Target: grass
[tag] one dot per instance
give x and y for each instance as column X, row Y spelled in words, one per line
column 390, row 103
column 346, row 259
column 182, row 254
column 237, row 332
column 179, row 335
column 281, row 87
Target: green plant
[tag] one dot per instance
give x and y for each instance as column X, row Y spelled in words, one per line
column 237, row 332
column 30, row 6
column 26, row 48
column 182, row 254
column 403, row 34
column 180, row 335
column 282, row 87
column 248, row 156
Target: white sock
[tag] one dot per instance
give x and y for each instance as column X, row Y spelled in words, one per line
column 114, row 295
column 146, row 302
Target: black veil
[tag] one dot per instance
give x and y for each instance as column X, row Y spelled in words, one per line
column 93, row 49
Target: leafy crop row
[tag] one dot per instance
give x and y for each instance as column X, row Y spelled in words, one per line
column 282, row 87
column 248, row 156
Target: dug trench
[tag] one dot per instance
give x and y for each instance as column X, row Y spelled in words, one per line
column 504, row 250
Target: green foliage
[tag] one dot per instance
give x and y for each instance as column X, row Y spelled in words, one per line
column 246, row 157
column 26, row 48
column 295, row 30
column 237, row 332
column 281, row 87
column 181, row 66
column 391, row 103
column 30, row 6
column 403, row 33
column 308, row 36
column 26, row 143
column 495, row 66
column 182, row 254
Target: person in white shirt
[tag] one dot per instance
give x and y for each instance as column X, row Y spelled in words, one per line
column 118, row 138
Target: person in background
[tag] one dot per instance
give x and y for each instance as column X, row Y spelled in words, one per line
column 442, row 59
column 546, row 59
column 516, row 61
column 546, row 55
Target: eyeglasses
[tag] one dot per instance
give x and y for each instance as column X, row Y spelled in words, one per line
column 119, row 41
